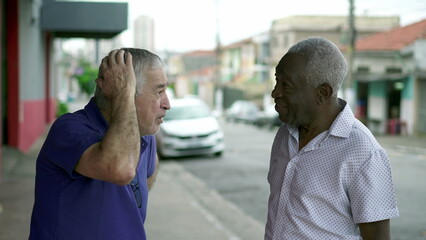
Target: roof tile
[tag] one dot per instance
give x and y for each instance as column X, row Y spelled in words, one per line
column 394, row 39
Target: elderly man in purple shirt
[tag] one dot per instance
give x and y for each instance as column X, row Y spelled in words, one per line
column 93, row 170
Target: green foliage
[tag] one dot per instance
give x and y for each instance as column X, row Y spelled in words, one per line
column 86, row 76
column 62, row 108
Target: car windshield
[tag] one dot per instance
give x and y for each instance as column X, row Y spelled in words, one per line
column 187, row 112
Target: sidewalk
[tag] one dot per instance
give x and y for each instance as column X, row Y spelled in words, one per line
column 16, row 193
column 409, row 144
column 180, row 207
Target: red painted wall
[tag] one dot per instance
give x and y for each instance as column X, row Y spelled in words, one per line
column 50, row 105
column 12, row 42
column 1, row 92
column 27, row 119
column 52, row 109
column 33, row 124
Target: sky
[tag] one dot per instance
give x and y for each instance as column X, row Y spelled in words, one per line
column 185, row 25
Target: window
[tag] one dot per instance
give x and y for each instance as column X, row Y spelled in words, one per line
column 393, row 70
column 363, row 69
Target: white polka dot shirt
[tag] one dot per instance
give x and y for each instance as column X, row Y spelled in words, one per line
column 339, row 179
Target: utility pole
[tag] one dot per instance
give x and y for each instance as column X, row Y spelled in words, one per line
column 218, row 90
column 348, row 88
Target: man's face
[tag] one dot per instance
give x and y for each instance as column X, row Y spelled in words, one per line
column 294, row 97
column 152, row 102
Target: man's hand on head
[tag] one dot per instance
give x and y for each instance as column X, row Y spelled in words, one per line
column 116, row 75
column 115, row 158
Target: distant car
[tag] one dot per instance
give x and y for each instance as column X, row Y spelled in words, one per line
column 242, row 111
column 268, row 117
column 189, row 129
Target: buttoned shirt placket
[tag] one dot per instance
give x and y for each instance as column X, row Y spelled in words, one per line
column 294, row 156
column 285, row 193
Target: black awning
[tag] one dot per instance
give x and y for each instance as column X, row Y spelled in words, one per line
column 84, row 19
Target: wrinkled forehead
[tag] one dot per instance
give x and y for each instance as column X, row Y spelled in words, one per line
column 155, row 76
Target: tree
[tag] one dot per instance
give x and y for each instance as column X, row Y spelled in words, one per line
column 86, row 75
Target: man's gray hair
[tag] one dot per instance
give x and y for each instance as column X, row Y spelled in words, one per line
column 143, row 61
column 324, row 62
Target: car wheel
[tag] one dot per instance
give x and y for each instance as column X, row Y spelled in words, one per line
column 218, row 154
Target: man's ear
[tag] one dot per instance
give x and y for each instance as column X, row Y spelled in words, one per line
column 324, row 91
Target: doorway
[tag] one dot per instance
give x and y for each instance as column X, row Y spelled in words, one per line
column 394, row 107
column 362, row 102
column 394, row 99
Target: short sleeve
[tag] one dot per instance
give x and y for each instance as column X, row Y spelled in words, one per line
column 372, row 192
column 67, row 140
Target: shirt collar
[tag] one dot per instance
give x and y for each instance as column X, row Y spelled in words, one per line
column 341, row 126
column 294, row 131
column 95, row 116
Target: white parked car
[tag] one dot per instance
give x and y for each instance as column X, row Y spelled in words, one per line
column 189, row 129
column 268, row 117
column 242, row 111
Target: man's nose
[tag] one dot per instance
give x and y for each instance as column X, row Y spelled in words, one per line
column 165, row 103
column 275, row 93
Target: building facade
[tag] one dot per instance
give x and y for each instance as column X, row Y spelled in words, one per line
column 245, row 70
column 28, row 29
column 390, row 80
column 193, row 73
column 288, row 31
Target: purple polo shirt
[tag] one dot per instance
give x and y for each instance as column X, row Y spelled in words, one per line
column 71, row 206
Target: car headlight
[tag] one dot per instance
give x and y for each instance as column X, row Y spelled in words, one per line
column 168, row 135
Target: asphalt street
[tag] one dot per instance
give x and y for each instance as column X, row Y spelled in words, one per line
column 240, row 175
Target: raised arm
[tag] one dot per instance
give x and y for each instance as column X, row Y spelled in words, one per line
column 115, row 158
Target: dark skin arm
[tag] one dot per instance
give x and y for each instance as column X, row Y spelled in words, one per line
column 375, row 230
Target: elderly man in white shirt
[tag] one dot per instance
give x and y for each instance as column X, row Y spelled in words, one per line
column 329, row 178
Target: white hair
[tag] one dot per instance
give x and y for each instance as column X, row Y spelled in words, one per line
column 324, row 62
column 143, row 61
